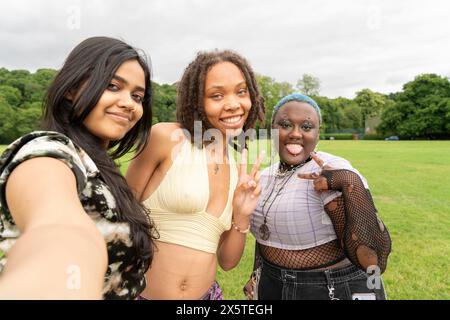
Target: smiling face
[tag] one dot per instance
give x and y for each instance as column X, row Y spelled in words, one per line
column 298, row 125
column 226, row 98
column 120, row 106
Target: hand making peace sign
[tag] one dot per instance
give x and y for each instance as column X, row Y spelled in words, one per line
column 248, row 188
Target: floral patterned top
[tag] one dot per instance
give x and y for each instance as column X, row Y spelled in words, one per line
column 96, row 199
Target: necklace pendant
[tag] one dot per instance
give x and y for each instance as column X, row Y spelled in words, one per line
column 264, row 231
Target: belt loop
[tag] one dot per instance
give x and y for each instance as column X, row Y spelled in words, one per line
column 287, row 275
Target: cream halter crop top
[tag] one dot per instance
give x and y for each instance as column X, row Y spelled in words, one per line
column 178, row 205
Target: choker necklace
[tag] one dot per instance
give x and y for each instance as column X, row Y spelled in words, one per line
column 285, row 171
column 284, row 166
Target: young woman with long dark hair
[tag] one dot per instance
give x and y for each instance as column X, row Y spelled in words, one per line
column 69, row 225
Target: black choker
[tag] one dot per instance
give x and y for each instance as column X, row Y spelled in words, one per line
column 284, row 167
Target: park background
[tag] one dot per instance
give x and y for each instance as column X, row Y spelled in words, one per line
column 377, row 70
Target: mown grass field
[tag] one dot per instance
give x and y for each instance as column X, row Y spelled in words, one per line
column 410, row 183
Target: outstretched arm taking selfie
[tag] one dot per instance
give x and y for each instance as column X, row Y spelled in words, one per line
column 60, row 253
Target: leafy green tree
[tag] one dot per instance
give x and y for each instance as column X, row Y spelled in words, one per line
column 272, row 92
column 351, row 117
column 17, row 79
column 21, row 96
column 11, row 95
column 164, row 103
column 309, row 85
column 371, row 104
column 38, row 84
column 329, row 114
column 4, row 74
column 27, row 120
column 7, row 123
column 339, row 114
column 421, row 110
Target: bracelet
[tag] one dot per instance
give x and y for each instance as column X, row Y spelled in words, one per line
column 239, row 229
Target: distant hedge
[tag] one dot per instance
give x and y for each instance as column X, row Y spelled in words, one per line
column 336, row 136
column 373, row 137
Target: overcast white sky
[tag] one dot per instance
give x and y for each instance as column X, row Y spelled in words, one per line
column 348, row 45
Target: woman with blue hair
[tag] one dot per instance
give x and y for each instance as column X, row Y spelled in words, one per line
column 317, row 229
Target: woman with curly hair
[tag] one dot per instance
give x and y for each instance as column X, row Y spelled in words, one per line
column 199, row 199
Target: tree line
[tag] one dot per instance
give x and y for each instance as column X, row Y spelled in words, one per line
column 420, row 111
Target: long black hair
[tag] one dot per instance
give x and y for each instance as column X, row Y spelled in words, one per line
column 87, row 71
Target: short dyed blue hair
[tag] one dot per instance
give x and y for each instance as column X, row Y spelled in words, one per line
column 300, row 98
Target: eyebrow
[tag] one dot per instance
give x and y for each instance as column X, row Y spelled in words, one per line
column 221, row 87
column 119, row 78
column 301, row 122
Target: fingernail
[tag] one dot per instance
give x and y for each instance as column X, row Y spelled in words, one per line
column 252, row 197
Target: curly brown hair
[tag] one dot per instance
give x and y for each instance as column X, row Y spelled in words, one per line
column 191, row 89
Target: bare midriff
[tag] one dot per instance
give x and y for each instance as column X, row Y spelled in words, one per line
column 179, row 273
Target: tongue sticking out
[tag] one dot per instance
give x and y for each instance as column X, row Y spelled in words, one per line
column 294, row 149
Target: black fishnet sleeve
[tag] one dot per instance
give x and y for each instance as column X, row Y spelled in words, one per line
column 363, row 236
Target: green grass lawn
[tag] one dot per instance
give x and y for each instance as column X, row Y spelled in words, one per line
column 410, row 183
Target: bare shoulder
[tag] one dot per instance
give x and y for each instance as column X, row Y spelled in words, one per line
column 163, row 136
column 44, row 170
column 167, row 126
column 157, row 154
column 166, row 130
